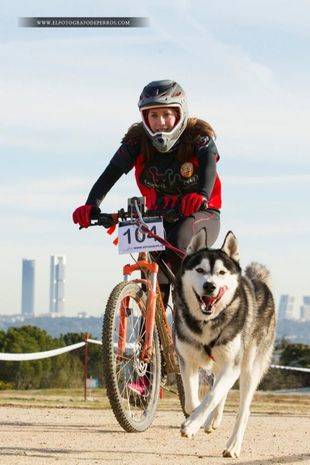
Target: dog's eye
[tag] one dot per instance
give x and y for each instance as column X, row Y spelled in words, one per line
column 222, row 272
column 200, row 270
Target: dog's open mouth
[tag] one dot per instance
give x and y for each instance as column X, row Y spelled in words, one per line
column 207, row 302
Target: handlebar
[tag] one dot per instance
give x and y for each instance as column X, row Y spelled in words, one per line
column 109, row 219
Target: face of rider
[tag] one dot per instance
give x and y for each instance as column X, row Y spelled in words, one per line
column 162, row 119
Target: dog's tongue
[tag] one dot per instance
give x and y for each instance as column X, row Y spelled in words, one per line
column 210, row 300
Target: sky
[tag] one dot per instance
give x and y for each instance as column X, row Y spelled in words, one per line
column 68, row 96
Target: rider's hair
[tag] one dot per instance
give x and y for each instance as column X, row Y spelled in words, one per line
column 194, row 135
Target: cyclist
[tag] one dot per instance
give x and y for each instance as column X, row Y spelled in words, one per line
column 175, row 158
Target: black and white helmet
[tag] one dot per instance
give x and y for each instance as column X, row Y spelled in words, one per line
column 165, row 93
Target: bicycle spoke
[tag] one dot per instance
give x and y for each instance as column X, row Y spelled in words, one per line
column 123, row 366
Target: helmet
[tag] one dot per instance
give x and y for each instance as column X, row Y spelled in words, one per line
column 165, row 93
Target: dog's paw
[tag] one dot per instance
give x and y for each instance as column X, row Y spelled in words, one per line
column 233, row 448
column 209, row 429
column 212, row 424
column 209, row 426
column 231, row 452
column 189, row 429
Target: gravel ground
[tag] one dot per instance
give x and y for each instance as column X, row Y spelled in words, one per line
column 36, row 436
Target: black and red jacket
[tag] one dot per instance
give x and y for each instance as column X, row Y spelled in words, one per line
column 164, row 180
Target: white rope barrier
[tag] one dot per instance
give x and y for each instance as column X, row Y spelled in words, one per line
column 94, row 341
column 40, row 355
column 306, row 370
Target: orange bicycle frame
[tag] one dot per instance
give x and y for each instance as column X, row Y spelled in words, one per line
column 154, row 312
column 151, row 283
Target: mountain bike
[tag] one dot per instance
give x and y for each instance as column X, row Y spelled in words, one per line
column 137, row 339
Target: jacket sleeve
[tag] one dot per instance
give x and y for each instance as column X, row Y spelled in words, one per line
column 122, row 162
column 207, row 155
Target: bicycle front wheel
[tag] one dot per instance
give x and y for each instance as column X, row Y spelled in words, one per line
column 132, row 384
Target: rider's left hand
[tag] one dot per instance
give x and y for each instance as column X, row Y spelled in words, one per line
column 191, row 203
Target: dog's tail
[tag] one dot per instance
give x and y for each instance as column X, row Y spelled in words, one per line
column 260, row 272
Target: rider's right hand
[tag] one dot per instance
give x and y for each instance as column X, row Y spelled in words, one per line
column 82, row 215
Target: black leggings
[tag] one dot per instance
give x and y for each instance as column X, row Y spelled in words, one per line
column 180, row 234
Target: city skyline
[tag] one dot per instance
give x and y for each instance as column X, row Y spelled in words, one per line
column 56, row 287
column 62, row 122
column 288, row 307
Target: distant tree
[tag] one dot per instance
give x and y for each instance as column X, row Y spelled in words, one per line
column 296, row 355
column 281, row 343
column 94, row 354
column 95, row 369
column 60, row 371
column 20, row 340
column 72, row 338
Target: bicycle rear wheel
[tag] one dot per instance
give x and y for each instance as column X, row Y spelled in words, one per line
column 122, row 339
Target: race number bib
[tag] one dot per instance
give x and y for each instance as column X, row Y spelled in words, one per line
column 131, row 240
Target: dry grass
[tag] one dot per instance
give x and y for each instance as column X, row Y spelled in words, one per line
column 264, row 402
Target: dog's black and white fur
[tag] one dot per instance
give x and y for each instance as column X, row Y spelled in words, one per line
column 224, row 321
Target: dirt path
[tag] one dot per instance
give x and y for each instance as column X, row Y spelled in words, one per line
column 37, row 436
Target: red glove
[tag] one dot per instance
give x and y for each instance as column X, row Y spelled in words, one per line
column 82, row 215
column 190, row 203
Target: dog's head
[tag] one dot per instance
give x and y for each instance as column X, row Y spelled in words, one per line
column 210, row 277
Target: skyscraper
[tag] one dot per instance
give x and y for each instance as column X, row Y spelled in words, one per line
column 28, row 272
column 57, row 283
column 305, row 308
column 286, row 307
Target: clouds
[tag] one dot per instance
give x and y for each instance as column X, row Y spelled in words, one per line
column 74, row 99
column 51, row 194
column 276, row 14
column 80, row 98
column 71, row 100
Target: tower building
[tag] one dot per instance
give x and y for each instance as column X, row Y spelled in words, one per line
column 305, row 308
column 28, row 274
column 57, row 283
column 286, row 307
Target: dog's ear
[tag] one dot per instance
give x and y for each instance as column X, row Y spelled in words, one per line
column 230, row 246
column 198, row 242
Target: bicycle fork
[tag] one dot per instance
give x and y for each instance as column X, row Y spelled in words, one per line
column 151, row 283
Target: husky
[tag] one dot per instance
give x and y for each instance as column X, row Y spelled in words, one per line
column 224, row 322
